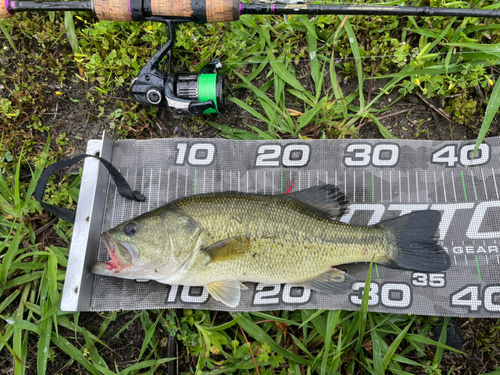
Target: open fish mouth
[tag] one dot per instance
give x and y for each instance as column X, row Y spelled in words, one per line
column 122, row 254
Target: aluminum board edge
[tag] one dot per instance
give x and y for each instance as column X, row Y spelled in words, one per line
column 89, row 213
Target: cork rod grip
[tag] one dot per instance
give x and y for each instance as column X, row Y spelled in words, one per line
column 4, row 13
column 201, row 10
column 112, row 10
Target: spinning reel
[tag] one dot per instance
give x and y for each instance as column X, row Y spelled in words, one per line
column 184, row 94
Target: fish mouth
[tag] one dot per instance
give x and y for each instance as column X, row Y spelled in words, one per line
column 123, row 255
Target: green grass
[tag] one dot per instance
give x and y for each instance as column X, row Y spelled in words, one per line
column 290, row 80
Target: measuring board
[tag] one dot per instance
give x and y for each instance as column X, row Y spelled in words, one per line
column 383, row 179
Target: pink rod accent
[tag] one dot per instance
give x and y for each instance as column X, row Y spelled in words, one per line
column 7, row 7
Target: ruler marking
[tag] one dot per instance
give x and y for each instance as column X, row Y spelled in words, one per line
column 239, row 181
column 135, row 179
column 409, row 192
column 444, row 188
column 498, row 259
column 484, row 185
column 230, row 181
column 416, row 184
column 150, row 183
column 326, row 177
column 256, row 173
column 195, row 180
column 272, row 182
column 281, row 184
column 455, row 257
column 453, row 183
column 345, row 181
column 264, row 181
column 426, row 187
column 168, row 184
column 381, row 186
column 336, row 181
column 222, row 180
column 400, row 189
column 373, row 186
column 473, row 184
column 364, row 187
column 478, row 269
column 466, row 262
column 495, row 182
column 354, row 187
column 159, row 184
column 390, row 186
column 213, row 180
column 463, row 184
column 247, row 179
column 317, row 177
column 177, row 184
column 435, row 187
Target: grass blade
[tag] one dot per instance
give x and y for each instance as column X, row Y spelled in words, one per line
column 394, row 345
column 69, row 24
column 258, row 334
column 357, row 57
column 331, row 322
column 363, row 311
column 7, row 35
column 489, row 115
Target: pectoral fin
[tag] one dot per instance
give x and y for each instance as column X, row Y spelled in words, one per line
column 228, row 249
column 228, row 291
column 330, row 282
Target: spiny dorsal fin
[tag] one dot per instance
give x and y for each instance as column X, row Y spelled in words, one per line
column 330, row 282
column 325, row 198
column 228, row 249
column 228, row 292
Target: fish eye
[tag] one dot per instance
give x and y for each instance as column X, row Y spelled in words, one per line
column 130, row 229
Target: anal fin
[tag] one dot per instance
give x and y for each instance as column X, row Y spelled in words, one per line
column 228, row 291
column 333, row 281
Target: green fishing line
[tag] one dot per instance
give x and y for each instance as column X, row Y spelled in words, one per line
column 207, row 86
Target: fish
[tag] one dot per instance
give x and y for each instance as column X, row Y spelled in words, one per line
column 221, row 240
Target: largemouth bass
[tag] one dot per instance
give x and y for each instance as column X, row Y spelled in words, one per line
column 220, row 240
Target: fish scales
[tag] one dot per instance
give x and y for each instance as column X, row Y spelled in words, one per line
column 290, row 241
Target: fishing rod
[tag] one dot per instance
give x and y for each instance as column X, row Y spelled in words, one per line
column 188, row 94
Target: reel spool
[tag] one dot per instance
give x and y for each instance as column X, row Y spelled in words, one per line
column 201, row 87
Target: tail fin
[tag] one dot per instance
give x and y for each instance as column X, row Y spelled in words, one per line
column 416, row 242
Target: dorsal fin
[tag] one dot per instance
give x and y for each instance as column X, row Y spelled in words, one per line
column 325, row 198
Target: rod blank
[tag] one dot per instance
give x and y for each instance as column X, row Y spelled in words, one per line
column 223, row 10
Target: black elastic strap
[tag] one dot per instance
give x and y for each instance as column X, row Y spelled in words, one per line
column 69, row 215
